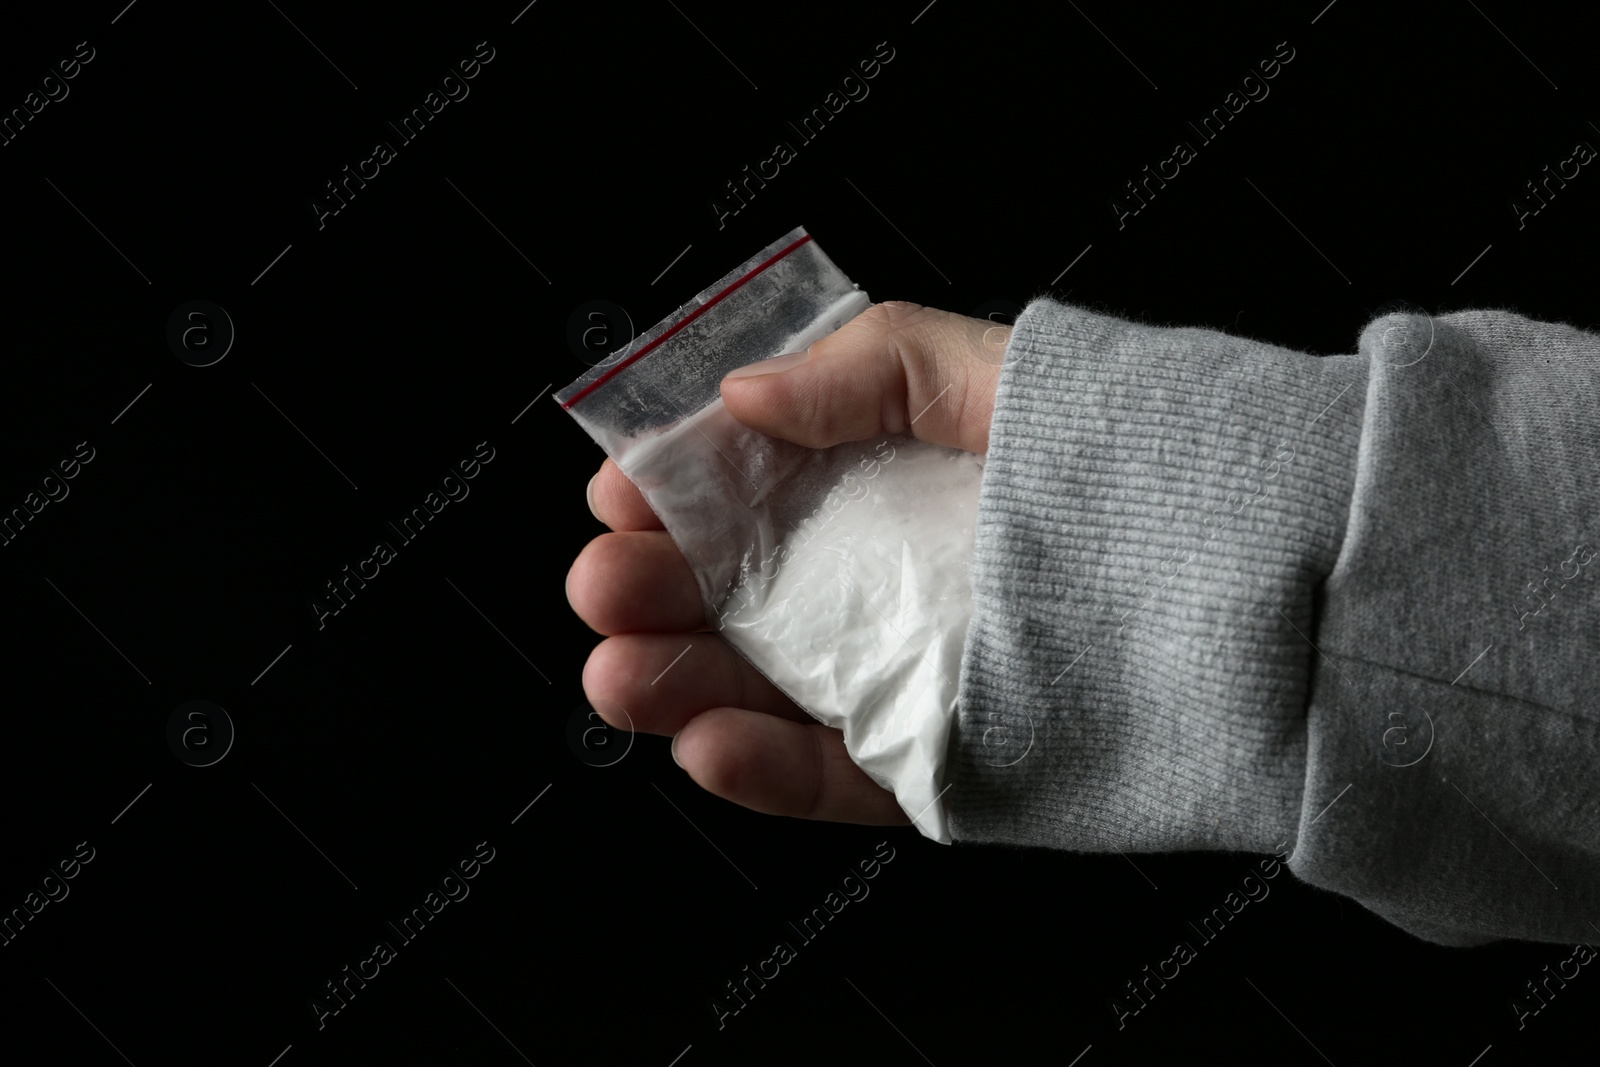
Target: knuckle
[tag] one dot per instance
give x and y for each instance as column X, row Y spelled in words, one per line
column 902, row 321
column 891, row 317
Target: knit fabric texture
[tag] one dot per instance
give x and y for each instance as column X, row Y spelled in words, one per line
column 1231, row 596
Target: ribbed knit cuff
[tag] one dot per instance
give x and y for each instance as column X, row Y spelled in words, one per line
column 1158, row 508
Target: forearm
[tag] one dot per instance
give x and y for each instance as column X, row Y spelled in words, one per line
column 1184, row 540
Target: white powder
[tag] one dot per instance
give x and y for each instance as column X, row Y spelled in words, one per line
column 842, row 574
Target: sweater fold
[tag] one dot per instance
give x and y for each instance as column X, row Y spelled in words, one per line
column 1219, row 586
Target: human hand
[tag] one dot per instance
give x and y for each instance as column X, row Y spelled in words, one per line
column 895, row 367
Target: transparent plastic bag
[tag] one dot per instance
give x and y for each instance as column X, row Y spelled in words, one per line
column 842, row 574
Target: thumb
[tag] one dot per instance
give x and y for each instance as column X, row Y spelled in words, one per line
column 893, row 368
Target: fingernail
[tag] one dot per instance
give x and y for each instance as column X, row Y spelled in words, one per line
column 588, row 493
column 771, row 366
column 674, row 749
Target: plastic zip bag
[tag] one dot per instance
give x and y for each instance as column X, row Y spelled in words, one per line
column 842, row 574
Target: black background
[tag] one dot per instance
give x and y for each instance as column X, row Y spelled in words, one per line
column 380, row 349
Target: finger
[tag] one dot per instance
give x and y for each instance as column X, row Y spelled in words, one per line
column 893, row 368
column 661, row 681
column 617, row 502
column 778, row 767
column 635, row 582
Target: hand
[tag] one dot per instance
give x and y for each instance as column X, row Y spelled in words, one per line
column 735, row 733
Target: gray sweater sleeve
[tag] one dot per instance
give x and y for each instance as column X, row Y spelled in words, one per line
column 1230, row 596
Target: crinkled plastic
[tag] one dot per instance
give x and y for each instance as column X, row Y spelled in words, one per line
column 842, row 574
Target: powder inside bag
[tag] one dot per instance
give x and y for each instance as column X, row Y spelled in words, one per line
column 843, row 577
